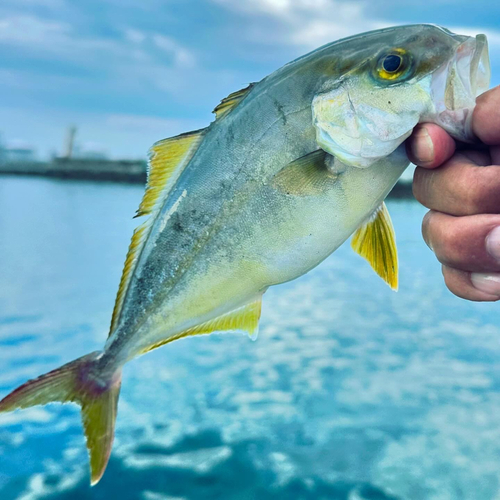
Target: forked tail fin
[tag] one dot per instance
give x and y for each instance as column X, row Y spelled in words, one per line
column 78, row 381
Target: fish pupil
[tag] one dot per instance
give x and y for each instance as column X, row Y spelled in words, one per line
column 392, row 63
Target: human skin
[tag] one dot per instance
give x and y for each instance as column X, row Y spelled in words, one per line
column 460, row 184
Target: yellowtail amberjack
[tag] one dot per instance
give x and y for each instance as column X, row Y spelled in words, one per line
column 291, row 167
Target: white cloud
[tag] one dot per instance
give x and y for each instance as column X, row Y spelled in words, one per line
column 181, row 55
column 143, row 123
column 276, row 7
column 30, row 30
column 134, row 36
column 30, row 3
column 48, row 38
column 308, row 24
column 305, row 23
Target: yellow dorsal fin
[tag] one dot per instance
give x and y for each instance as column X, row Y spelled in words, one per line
column 167, row 160
column 376, row 242
column 134, row 250
column 231, row 101
column 243, row 319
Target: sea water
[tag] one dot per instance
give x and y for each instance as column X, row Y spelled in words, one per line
column 350, row 392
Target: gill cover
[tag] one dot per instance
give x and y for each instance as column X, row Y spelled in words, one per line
column 373, row 108
column 361, row 125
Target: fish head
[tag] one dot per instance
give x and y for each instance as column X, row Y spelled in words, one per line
column 400, row 77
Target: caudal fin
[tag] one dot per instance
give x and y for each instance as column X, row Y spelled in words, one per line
column 80, row 382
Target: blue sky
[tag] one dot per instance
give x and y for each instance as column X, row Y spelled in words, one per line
column 130, row 72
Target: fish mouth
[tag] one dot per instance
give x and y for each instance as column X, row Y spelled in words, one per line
column 456, row 85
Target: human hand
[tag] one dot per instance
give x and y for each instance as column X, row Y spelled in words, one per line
column 461, row 186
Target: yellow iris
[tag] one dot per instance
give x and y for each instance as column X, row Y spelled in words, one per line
column 391, row 57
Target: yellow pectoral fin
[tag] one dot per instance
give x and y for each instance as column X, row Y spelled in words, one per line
column 376, row 242
column 243, row 319
column 305, row 176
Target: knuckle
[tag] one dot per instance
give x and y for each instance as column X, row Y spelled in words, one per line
column 490, row 196
column 471, row 192
column 449, row 242
column 481, row 190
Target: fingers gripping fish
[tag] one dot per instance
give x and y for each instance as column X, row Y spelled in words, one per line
column 292, row 166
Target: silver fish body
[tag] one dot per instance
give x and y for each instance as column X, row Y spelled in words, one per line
column 224, row 207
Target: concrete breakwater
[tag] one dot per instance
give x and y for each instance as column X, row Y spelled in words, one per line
column 133, row 171
column 76, row 168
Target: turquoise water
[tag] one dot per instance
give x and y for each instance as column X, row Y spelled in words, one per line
column 350, row 392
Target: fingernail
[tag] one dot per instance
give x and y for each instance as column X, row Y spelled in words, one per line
column 493, row 243
column 422, row 147
column 488, row 283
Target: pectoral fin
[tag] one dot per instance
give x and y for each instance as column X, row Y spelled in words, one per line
column 306, row 176
column 376, row 242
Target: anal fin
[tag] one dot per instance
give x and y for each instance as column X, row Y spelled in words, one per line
column 244, row 319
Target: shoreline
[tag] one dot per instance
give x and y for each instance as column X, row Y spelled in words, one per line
column 120, row 171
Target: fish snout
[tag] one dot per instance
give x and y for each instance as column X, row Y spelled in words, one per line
column 456, row 85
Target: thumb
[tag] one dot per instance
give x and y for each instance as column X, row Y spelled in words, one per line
column 429, row 146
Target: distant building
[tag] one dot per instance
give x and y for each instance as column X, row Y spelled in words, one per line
column 91, row 155
column 87, row 151
column 16, row 151
column 17, row 154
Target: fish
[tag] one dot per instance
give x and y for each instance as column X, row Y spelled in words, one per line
column 290, row 168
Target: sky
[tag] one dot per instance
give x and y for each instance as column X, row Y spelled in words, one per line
column 127, row 73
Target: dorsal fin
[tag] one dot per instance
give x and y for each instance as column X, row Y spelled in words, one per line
column 167, row 159
column 244, row 319
column 231, row 101
column 376, row 242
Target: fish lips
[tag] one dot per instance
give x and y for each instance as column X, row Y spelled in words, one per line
column 456, row 85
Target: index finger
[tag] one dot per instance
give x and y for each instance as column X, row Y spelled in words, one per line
column 486, row 117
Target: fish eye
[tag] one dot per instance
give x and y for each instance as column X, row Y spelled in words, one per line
column 392, row 63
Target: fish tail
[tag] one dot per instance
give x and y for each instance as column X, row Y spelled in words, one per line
column 82, row 382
